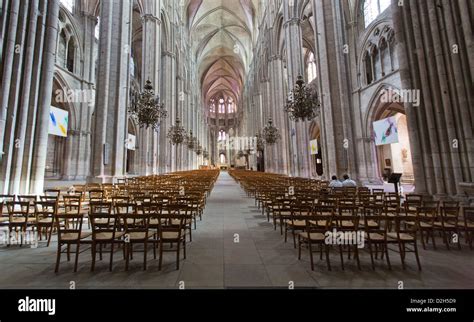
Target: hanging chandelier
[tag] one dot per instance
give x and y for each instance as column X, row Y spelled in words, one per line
column 198, row 150
column 303, row 103
column 205, row 154
column 270, row 133
column 146, row 108
column 177, row 133
column 191, row 141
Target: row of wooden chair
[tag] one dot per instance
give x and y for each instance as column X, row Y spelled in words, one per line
column 383, row 217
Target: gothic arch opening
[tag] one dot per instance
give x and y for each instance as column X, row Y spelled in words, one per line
column 390, row 137
column 60, row 131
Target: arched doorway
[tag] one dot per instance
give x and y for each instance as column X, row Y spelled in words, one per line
column 316, row 149
column 390, row 136
column 60, row 132
column 131, row 148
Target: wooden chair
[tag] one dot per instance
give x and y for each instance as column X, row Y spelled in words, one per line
column 348, row 225
column 136, row 229
column 426, row 219
column 18, row 214
column 172, row 231
column 404, row 236
column 31, row 220
column 68, row 237
column 448, row 224
column 104, row 232
column 468, row 222
column 315, row 235
column 376, row 226
column 296, row 222
column 45, row 212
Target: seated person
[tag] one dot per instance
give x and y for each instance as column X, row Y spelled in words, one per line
column 335, row 183
column 348, row 182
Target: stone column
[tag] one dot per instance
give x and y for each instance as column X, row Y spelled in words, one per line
column 151, row 69
column 336, row 116
column 46, row 86
column 435, row 60
column 109, row 133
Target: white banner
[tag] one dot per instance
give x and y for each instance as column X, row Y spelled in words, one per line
column 58, row 122
column 313, row 145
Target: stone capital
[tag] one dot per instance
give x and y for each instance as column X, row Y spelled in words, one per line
column 292, row 21
column 149, row 17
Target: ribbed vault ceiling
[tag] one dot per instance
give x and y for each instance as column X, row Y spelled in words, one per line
column 222, row 35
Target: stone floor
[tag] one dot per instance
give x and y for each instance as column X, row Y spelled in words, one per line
column 235, row 247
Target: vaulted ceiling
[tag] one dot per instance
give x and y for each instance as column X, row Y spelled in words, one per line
column 222, row 33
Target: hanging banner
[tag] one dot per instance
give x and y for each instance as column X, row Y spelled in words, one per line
column 131, row 142
column 313, row 145
column 386, row 131
column 58, row 122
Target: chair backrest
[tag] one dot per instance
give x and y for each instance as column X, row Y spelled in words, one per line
column 18, row 210
column 426, row 214
column 49, row 199
column 347, row 210
column 73, row 231
column 468, row 213
column 52, row 193
column 450, row 216
column 100, row 207
column 72, row 204
column 96, row 195
column 136, row 223
column 450, row 204
column 45, row 210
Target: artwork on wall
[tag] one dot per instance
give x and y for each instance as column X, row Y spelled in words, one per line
column 58, row 122
column 313, row 147
column 386, row 131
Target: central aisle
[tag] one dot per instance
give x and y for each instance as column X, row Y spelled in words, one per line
column 235, row 246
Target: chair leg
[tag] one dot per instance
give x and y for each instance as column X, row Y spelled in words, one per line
column 327, row 257
column 417, row 257
column 386, row 255
column 68, row 252
column 342, row 256
column 49, row 235
column 58, row 258
column 111, row 255
column 78, row 245
column 177, row 256
column 402, row 256
column 145, row 255
column 299, row 248
column 160, row 262
column 184, row 248
column 94, row 253
column 127, row 255
column 356, row 255
column 311, row 254
column 371, row 255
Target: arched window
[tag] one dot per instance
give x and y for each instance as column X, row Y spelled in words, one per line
column 71, row 51
column 221, row 106
column 230, row 106
column 62, row 45
column 68, row 4
column 373, row 8
column 369, row 74
column 222, row 135
column 311, row 68
column 212, row 106
column 97, row 29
